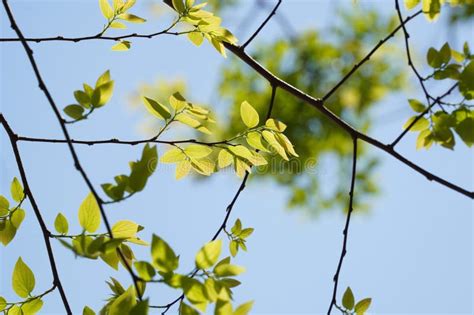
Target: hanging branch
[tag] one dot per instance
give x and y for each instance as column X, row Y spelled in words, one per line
column 44, row 229
column 346, row 227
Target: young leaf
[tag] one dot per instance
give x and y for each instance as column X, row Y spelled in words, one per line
column 185, row 309
column 125, row 229
column 348, row 299
column 249, row 115
column 124, row 303
column 122, row 45
column 32, row 307
column 163, row 255
column 272, row 141
column 224, row 158
column 60, row 224
column 87, row 311
column 362, row 306
column 89, row 214
column 243, row 309
column 228, row 270
column 196, row 38
column 23, row 279
column 196, row 151
column 17, row 190
column 410, row 4
column 74, row 111
column 421, row 124
column 17, row 217
column 254, row 139
column 131, row 18
column 156, row 109
column 3, row 303
column 145, row 270
column 208, row 255
column 275, row 125
column 106, row 9
column 417, row 106
column 182, row 169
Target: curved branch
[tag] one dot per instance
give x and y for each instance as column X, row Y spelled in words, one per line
column 77, row 164
column 44, row 229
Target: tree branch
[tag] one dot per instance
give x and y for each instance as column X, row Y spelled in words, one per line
column 44, row 229
column 346, row 227
column 75, row 158
column 272, row 13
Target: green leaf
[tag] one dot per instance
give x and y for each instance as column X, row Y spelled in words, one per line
column 196, row 151
column 224, row 158
column 431, row 9
column 182, row 169
column 131, row 18
column 141, row 308
column 275, row 125
column 244, row 309
column 194, row 291
column 106, row 9
column 362, row 306
column 17, row 190
column 465, row 130
column 23, row 279
column 410, row 4
column 157, row 109
column 196, row 38
column 348, row 299
column 124, row 303
column 74, row 111
column 249, row 115
column 466, row 78
column 122, row 45
column 102, row 94
column 88, row 311
column 164, row 258
column 89, row 214
column 32, row 307
column 178, row 6
column 185, row 309
column 233, row 247
column 228, row 270
column 82, row 98
column 4, row 205
column 254, row 139
column 208, row 254
column 3, row 303
column 145, row 270
column 433, row 58
column 60, row 224
column 104, row 78
column 143, row 169
column 417, row 106
column 17, row 217
column 445, row 54
column 117, row 24
column 8, row 233
column 421, row 124
column 273, row 142
column 125, row 229
column 223, row 308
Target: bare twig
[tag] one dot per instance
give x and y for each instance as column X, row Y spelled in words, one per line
column 44, row 229
column 62, row 124
column 272, row 13
column 346, row 227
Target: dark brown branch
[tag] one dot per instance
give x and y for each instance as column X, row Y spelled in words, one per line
column 272, row 13
column 367, row 57
column 118, row 141
column 346, row 227
column 77, row 164
column 44, row 229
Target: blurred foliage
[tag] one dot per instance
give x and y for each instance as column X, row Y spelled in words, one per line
column 314, row 64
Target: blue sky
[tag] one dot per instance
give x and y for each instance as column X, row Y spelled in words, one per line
column 412, row 254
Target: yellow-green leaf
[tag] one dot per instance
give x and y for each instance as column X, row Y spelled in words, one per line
column 3, row 303
column 182, row 169
column 275, row 125
column 106, row 9
column 89, row 214
column 125, row 229
column 362, row 306
column 32, row 307
column 248, row 114
column 156, row 108
column 244, row 309
column 163, row 255
column 122, row 45
column 196, row 151
column 173, row 155
column 254, row 139
column 17, row 217
column 410, row 4
column 145, row 270
column 348, row 299
column 23, row 279
column 208, row 255
column 117, row 24
column 131, row 18
column 272, row 141
column 224, row 158
column 421, row 124
column 17, row 190
column 196, row 38
column 60, row 224
column 88, row 311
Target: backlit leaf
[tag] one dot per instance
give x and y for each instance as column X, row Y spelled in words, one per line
column 89, row 214
column 23, row 279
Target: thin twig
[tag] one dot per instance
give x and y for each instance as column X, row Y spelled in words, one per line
column 44, row 229
column 75, row 158
column 272, row 13
column 346, row 227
